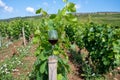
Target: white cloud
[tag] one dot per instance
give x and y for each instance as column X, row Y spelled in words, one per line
column 8, row 9
column 45, row 4
column 2, row 4
column 5, row 7
column 77, row 6
column 30, row 9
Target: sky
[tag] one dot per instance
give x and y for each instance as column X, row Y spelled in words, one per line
column 22, row 8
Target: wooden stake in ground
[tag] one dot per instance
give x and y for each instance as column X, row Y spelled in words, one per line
column 24, row 40
column 52, row 64
column 0, row 41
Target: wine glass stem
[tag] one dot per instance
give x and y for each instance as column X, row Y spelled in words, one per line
column 52, row 49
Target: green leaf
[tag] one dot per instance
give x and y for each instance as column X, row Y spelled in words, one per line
column 71, row 17
column 37, row 62
column 37, row 32
column 43, row 67
column 38, row 77
column 42, row 57
column 52, row 16
column 44, row 12
column 74, row 19
column 71, row 7
column 117, row 62
column 56, row 52
column 105, row 61
column 59, row 77
column 41, row 11
column 50, row 25
column 65, row 0
column 36, row 39
column 116, row 46
column 38, row 11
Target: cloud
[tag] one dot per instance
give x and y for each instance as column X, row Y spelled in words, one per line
column 2, row 4
column 30, row 9
column 5, row 7
column 8, row 9
column 45, row 4
column 77, row 6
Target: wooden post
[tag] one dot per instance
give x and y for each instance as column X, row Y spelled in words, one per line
column 24, row 40
column 0, row 41
column 52, row 64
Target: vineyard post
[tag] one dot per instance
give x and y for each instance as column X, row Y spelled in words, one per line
column 24, row 40
column 52, row 63
column 0, row 40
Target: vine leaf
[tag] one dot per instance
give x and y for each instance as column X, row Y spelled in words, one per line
column 65, row 0
column 71, row 17
column 52, row 16
column 44, row 13
column 71, row 7
column 42, row 67
column 59, row 77
column 42, row 57
column 38, row 11
column 41, row 11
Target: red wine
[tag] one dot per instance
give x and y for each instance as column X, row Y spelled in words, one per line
column 53, row 41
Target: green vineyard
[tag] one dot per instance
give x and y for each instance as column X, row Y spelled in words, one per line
column 90, row 41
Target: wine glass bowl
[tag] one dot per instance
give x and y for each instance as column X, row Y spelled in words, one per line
column 53, row 37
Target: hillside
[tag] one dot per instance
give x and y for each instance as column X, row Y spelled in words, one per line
column 112, row 18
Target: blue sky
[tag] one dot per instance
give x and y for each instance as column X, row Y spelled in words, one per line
column 21, row 8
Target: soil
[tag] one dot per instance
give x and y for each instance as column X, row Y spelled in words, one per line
column 74, row 73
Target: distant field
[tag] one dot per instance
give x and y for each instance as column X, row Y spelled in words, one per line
column 104, row 18
column 112, row 18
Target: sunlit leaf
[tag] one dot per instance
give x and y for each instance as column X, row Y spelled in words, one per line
column 37, row 32
column 71, row 17
column 59, row 77
column 55, row 52
column 65, row 0
column 35, row 39
column 116, row 46
column 44, row 12
column 71, row 7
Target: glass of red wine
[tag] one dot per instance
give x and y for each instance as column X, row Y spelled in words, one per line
column 53, row 37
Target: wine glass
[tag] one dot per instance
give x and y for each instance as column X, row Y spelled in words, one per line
column 52, row 37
